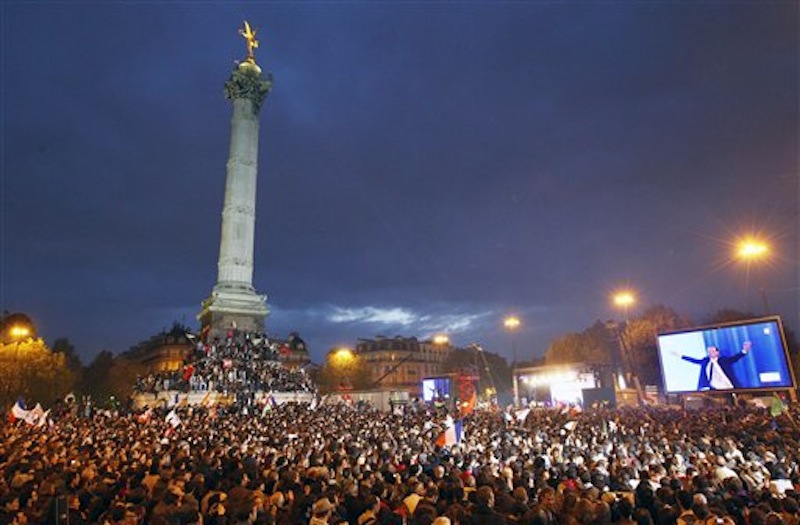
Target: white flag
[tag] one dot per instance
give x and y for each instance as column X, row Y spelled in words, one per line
column 173, row 418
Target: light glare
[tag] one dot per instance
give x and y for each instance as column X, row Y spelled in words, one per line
column 624, row 299
column 752, row 249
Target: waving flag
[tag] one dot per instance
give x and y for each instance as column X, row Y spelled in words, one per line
column 174, row 421
column 777, row 407
column 18, row 412
column 36, row 415
column 451, row 435
column 44, row 419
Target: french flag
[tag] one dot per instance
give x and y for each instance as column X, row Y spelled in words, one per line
column 452, row 434
column 18, row 412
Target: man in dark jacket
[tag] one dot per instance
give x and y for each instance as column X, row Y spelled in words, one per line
column 716, row 371
column 483, row 512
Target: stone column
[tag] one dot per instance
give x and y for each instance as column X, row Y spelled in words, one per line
column 234, row 301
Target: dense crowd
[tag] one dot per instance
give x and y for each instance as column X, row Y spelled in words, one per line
column 301, row 464
column 239, row 363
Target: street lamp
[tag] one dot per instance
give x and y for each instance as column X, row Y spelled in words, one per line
column 624, row 300
column 751, row 250
column 344, row 355
column 19, row 332
column 342, row 360
column 512, row 323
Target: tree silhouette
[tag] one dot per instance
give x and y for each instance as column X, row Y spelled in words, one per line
column 28, row 369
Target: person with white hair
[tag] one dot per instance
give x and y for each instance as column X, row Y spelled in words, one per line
column 722, row 471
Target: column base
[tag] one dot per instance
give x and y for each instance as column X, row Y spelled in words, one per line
column 233, row 307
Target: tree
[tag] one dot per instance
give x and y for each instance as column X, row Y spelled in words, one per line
column 593, row 346
column 640, row 343
column 95, row 376
column 121, row 377
column 30, row 370
column 729, row 315
column 108, row 376
column 71, row 357
column 343, row 370
column 635, row 342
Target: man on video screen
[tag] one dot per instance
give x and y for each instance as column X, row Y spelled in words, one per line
column 716, row 371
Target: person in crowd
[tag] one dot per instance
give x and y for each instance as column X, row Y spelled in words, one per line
column 321, row 512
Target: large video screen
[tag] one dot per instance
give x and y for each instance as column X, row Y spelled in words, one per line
column 434, row 388
column 750, row 355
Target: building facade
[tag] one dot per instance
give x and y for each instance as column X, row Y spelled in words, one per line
column 164, row 352
column 401, row 363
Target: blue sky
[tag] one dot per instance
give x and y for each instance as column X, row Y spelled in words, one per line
column 424, row 167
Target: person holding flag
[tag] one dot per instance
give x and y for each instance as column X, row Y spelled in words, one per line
column 453, row 433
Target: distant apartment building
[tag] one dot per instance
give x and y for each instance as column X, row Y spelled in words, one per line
column 400, row 363
column 163, row 352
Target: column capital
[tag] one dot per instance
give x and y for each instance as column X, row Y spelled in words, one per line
column 246, row 82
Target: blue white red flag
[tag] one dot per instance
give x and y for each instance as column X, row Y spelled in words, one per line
column 18, row 412
column 452, row 434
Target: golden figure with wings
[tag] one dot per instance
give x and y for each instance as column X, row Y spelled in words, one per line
column 250, row 36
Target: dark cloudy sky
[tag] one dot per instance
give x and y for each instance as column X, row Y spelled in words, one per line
column 424, row 167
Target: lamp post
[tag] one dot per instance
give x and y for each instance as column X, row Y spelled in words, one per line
column 624, row 300
column 441, row 347
column 751, row 250
column 343, row 359
column 512, row 323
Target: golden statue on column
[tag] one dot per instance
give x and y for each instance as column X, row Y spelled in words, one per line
column 250, row 38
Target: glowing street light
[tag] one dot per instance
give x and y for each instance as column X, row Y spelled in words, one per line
column 751, row 250
column 342, row 361
column 441, row 339
column 344, row 355
column 624, row 299
column 19, row 332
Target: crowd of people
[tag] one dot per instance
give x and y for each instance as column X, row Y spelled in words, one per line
column 345, row 463
column 239, row 363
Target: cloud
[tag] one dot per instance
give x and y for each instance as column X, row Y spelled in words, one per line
column 452, row 323
column 373, row 315
column 437, row 320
